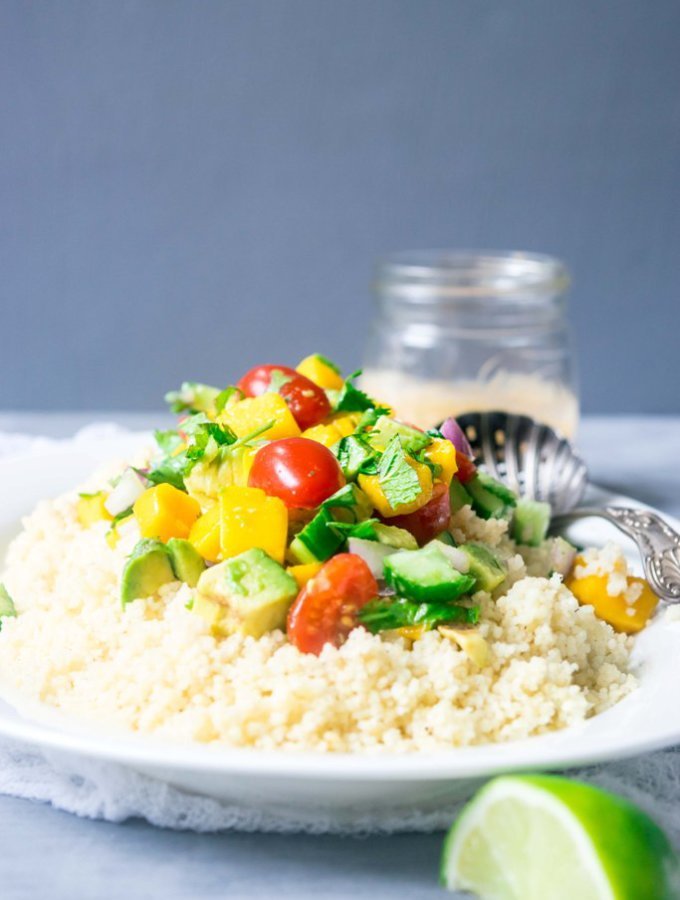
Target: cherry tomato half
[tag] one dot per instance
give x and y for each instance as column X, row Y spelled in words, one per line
column 300, row 472
column 326, row 609
column 306, row 400
column 430, row 520
column 466, row 468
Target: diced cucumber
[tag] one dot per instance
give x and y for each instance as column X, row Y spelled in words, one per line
column 490, row 498
column 373, row 553
column 530, row 522
column 446, row 538
column 317, row 541
column 425, row 575
column 352, row 453
column 455, row 555
column 486, row 568
column 459, row 496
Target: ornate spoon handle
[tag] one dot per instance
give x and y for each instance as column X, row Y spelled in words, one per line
column 658, row 543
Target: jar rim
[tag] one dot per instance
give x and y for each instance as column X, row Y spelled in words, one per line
column 433, row 275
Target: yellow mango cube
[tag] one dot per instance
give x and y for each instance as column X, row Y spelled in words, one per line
column 205, row 535
column 321, row 372
column 333, row 429
column 304, row 573
column 249, row 518
column 370, row 485
column 248, row 415
column 165, row 512
column 91, row 509
column 442, row 453
column 622, row 615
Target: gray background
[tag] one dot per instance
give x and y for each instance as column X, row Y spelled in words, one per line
column 187, row 188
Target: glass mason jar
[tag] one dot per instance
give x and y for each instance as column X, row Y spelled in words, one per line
column 458, row 331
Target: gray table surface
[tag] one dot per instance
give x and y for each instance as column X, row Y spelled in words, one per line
column 49, row 854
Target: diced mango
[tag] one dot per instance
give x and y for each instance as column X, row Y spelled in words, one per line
column 328, row 435
column 164, row 512
column 252, row 413
column 621, row 615
column 304, row 573
column 321, row 372
column 91, row 509
column 333, row 429
column 205, row 535
column 442, row 453
column 249, row 518
column 370, row 485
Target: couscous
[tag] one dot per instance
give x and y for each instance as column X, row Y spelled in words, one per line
column 241, row 587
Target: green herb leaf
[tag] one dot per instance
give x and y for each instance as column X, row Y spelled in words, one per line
column 192, row 397
column 351, row 399
column 396, row 477
column 355, row 455
column 277, row 380
column 168, row 441
column 328, row 362
column 7, row 607
column 225, row 396
column 384, row 614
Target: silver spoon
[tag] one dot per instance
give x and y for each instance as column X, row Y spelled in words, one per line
column 537, row 463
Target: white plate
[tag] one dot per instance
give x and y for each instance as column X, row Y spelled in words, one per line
column 342, row 785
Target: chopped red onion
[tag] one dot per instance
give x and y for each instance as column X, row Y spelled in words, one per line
column 452, row 431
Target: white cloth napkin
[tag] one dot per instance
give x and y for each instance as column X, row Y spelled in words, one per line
column 100, row 790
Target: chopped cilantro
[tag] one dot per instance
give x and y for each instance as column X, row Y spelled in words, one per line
column 355, row 455
column 327, row 362
column 351, row 399
column 277, row 380
column 384, row 614
column 7, row 607
column 225, row 396
column 192, row 397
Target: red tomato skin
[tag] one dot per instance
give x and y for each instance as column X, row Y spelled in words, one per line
column 430, row 520
column 300, row 472
column 306, row 400
column 466, row 468
column 325, row 611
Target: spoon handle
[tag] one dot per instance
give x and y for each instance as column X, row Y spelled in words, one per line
column 658, row 543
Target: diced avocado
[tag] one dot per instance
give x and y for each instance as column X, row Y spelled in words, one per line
column 385, row 429
column 458, row 495
column 490, row 498
column 425, row 575
column 7, row 607
column 530, row 522
column 317, row 541
column 187, row 563
column 148, row 567
column 399, row 538
column 487, row 570
column 252, row 590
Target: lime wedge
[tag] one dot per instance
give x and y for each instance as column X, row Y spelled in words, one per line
column 540, row 837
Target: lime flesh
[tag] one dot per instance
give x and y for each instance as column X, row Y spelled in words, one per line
column 540, row 837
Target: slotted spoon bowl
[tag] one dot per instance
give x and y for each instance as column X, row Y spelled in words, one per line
column 535, row 462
